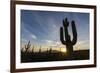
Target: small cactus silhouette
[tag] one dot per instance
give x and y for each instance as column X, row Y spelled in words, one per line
column 50, row 50
column 65, row 38
column 33, row 49
column 40, row 49
column 27, row 46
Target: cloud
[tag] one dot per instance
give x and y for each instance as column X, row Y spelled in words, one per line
column 27, row 34
column 23, row 40
column 83, row 42
column 81, row 45
column 33, row 36
column 48, row 41
column 53, row 43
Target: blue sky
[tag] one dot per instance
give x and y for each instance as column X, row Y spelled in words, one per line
column 42, row 28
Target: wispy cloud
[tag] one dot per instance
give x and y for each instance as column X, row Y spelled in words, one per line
column 81, row 45
column 53, row 43
column 23, row 40
column 33, row 36
column 27, row 33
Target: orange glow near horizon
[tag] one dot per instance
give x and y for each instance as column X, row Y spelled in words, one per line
column 63, row 50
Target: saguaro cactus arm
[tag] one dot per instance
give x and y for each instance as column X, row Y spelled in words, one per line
column 74, row 31
column 65, row 25
column 61, row 36
column 65, row 22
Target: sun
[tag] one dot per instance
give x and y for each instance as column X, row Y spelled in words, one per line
column 63, row 50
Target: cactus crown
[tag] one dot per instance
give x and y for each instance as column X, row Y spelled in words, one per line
column 65, row 23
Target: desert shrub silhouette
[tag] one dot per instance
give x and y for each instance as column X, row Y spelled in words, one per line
column 27, row 46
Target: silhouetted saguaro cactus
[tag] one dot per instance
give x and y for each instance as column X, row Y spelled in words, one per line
column 27, row 46
column 65, row 38
column 40, row 50
column 33, row 49
column 50, row 50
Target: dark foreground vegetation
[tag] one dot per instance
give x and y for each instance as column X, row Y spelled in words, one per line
column 53, row 56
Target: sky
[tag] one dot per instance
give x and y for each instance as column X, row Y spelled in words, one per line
column 42, row 29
